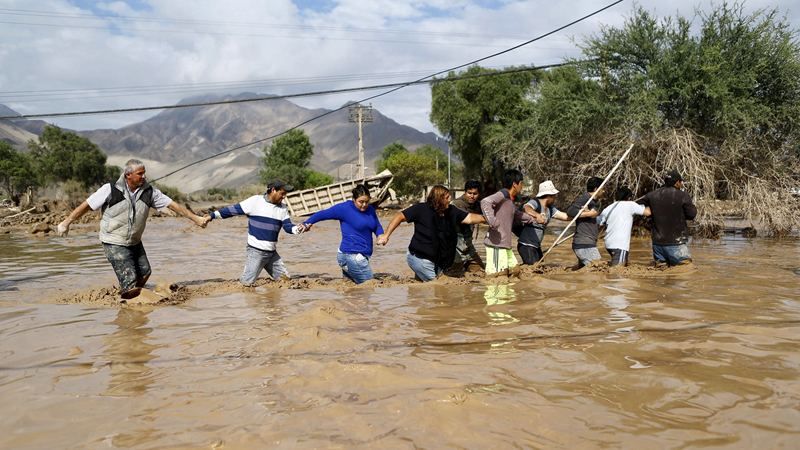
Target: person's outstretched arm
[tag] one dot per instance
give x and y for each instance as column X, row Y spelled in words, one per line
column 473, row 218
column 335, row 212
column 182, row 210
column 561, row 215
column 396, row 221
column 532, row 212
column 63, row 227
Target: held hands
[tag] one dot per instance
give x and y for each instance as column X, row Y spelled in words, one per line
column 382, row 240
column 201, row 221
column 303, row 227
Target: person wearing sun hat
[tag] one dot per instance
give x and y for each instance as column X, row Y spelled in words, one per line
column 266, row 215
column 542, row 209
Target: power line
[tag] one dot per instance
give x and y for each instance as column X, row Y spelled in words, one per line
column 364, row 100
column 286, row 96
column 212, row 84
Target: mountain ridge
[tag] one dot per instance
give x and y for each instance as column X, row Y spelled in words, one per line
column 178, row 136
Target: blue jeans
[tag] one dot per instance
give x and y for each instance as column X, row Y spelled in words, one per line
column 424, row 269
column 355, row 266
column 671, row 254
column 258, row 260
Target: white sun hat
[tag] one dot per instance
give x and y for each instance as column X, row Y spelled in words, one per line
column 546, row 188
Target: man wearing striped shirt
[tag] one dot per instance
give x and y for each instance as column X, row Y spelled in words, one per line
column 266, row 216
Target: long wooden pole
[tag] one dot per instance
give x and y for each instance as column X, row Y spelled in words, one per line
column 558, row 240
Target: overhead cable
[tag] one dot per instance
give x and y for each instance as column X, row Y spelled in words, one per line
column 283, row 97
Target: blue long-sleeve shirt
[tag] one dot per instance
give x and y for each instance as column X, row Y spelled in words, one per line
column 357, row 227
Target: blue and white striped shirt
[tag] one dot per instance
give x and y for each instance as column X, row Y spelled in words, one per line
column 265, row 221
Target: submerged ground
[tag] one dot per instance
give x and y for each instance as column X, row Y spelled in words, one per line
column 705, row 357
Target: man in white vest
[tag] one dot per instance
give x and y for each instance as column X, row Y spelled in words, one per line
column 126, row 205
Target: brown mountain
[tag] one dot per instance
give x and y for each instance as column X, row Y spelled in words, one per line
column 178, row 136
column 18, row 132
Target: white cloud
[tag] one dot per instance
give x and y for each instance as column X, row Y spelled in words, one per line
column 176, row 42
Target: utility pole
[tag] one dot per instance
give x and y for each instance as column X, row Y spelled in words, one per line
column 360, row 114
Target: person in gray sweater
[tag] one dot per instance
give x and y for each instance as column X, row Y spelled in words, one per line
column 501, row 214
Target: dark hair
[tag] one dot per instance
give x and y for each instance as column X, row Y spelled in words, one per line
column 436, row 199
column 510, row 177
column 593, row 184
column 360, row 190
column 472, row 184
column 672, row 177
column 623, row 193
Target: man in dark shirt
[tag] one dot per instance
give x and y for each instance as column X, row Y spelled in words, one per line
column 466, row 254
column 671, row 208
column 584, row 244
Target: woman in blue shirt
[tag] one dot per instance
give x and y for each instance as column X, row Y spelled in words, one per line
column 358, row 222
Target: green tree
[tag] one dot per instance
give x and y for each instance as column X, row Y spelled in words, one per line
column 60, row 155
column 387, row 152
column 287, row 158
column 717, row 98
column 412, row 171
column 467, row 110
column 16, row 172
column 315, row 179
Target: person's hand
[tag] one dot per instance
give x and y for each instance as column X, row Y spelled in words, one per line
column 540, row 218
column 63, row 228
column 382, row 240
column 201, row 221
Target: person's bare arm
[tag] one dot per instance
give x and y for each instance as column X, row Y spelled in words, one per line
column 180, row 209
column 561, row 215
column 523, row 218
column 473, row 218
column 396, row 221
column 63, row 227
column 589, row 214
column 532, row 212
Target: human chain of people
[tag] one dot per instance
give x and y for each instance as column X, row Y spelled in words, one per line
column 442, row 241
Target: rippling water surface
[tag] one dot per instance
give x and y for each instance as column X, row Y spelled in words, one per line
column 707, row 358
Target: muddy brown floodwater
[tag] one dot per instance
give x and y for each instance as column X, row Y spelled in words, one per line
column 706, row 357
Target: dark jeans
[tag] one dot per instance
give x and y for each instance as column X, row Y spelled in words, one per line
column 130, row 264
column 619, row 257
column 529, row 253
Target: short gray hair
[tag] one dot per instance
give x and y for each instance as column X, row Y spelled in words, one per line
column 132, row 165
